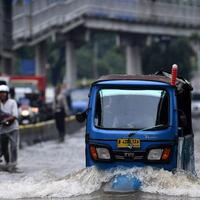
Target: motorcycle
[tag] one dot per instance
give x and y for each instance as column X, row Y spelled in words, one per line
column 27, row 113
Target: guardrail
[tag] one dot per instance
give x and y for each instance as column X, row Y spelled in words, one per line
column 33, row 21
column 43, row 131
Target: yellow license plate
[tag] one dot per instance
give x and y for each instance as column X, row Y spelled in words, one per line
column 128, row 143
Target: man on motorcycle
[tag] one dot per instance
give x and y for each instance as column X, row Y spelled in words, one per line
column 9, row 129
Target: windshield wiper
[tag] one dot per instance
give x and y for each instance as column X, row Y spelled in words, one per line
column 157, row 127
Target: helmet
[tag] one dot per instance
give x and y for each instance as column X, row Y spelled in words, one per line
column 4, row 88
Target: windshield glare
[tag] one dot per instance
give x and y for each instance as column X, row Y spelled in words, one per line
column 131, row 109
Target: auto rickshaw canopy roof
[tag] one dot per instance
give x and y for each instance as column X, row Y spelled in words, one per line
column 164, row 77
column 134, row 77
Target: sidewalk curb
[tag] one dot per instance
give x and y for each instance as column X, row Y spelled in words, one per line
column 43, row 131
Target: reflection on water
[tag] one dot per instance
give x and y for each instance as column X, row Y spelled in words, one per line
column 131, row 196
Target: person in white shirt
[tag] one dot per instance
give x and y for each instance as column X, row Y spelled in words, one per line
column 9, row 129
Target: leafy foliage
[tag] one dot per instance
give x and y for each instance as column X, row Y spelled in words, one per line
column 164, row 55
column 56, row 60
column 102, row 55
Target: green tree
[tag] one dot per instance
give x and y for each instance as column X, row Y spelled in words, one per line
column 164, row 55
column 84, row 62
column 113, row 62
column 56, row 60
column 106, row 57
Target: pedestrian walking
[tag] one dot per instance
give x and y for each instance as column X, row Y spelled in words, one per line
column 60, row 111
column 9, row 129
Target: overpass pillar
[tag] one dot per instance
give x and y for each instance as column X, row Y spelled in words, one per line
column 70, row 64
column 133, row 60
column 133, row 44
column 40, row 58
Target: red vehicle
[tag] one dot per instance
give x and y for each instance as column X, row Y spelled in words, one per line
column 36, row 84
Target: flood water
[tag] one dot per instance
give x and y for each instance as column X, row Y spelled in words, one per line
column 51, row 170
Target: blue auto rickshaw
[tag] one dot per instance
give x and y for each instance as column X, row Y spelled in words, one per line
column 138, row 121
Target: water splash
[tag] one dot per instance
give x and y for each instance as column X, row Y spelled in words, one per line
column 89, row 180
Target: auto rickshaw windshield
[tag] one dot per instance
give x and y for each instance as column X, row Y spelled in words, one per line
column 131, row 109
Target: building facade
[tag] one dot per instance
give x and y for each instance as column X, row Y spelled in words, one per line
column 6, row 36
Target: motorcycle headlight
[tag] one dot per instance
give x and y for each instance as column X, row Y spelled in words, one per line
column 25, row 112
column 35, row 109
column 160, row 154
column 100, row 153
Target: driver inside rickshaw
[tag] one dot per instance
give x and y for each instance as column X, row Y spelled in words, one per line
column 131, row 109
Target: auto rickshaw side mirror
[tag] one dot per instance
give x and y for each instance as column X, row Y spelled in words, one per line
column 81, row 117
column 182, row 119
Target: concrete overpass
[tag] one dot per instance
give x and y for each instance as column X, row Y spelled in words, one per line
column 75, row 20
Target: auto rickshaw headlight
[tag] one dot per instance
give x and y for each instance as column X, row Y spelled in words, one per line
column 160, row 154
column 103, row 153
column 155, row 154
column 99, row 153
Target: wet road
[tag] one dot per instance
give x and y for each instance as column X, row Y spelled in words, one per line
column 51, row 170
